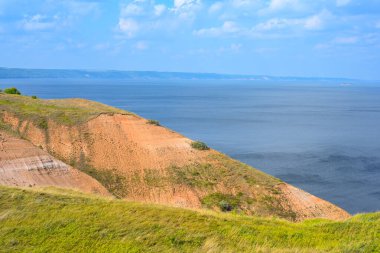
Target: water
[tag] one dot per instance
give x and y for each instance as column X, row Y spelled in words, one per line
column 321, row 137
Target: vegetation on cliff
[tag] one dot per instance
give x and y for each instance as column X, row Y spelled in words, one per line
column 12, row 91
column 199, row 145
column 64, row 111
column 139, row 161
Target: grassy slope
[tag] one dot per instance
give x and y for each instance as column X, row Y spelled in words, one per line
column 52, row 220
column 64, row 111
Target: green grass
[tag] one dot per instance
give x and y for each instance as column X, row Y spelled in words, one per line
column 199, row 145
column 55, row 221
column 112, row 180
column 222, row 184
column 63, row 111
column 153, row 122
column 12, row 91
column 225, row 202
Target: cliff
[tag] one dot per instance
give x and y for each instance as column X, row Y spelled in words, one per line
column 139, row 161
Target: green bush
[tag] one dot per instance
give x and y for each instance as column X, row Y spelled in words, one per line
column 225, row 202
column 225, row 206
column 34, row 97
column 12, row 90
column 153, row 122
column 199, row 145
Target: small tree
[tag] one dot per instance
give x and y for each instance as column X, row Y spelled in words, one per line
column 12, row 90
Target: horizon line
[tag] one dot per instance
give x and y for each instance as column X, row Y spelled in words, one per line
column 187, row 73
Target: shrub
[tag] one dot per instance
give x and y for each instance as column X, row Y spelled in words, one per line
column 12, row 90
column 199, row 145
column 34, row 97
column 153, row 122
column 42, row 123
column 225, row 206
column 225, row 202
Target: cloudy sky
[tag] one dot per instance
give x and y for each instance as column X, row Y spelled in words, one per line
column 325, row 38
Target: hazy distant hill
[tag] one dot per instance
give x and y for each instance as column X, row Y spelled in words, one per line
column 115, row 74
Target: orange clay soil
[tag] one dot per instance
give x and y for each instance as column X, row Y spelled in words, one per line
column 138, row 161
column 24, row 165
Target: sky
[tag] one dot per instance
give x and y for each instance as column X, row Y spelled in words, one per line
column 321, row 38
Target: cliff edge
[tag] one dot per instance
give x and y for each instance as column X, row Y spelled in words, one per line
column 136, row 160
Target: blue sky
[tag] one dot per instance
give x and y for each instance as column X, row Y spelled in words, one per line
column 325, row 38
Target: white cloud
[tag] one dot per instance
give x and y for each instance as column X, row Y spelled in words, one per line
column 128, row 26
column 81, row 7
column 185, row 3
column 215, row 7
column 314, row 22
column 70, row 11
column 228, row 27
column 346, row 40
column 141, row 45
column 341, row 3
column 159, row 9
column 186, row 9
column 275, row 27
column 265, row 50
column 317, row 21
column 283, row 4
column 236, row 47
column 243, row 3
column 341, row 41
column 276, row 24
column 322, row 46
column 131, row 9
column 39, row 22
column 102, row 46
column 371, row 39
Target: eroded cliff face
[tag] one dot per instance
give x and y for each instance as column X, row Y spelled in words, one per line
column 143, row 162
column 24, row 165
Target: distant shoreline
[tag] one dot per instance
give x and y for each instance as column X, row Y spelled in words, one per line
column 10, row 73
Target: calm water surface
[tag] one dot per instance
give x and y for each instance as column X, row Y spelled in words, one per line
column 321, row 137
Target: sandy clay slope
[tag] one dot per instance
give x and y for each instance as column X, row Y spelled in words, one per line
column 24, row 165
column 138, row 161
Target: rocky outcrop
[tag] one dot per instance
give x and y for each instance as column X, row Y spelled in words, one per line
column 307, row 206
column 24, row 165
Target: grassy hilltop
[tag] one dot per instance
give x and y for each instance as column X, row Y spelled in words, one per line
column 64, row 111
column 59, row 221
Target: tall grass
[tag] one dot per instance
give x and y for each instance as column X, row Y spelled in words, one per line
column 50, row 221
